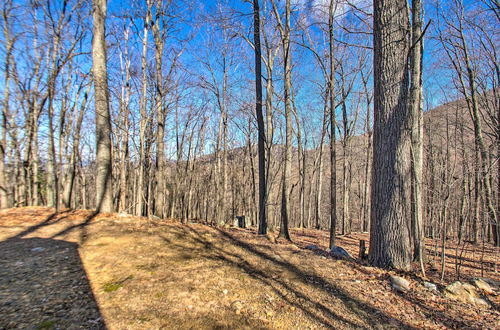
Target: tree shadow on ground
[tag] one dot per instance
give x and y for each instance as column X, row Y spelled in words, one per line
column 253, row 261
column 58, row 217
column 82, row 226
column 49, row 220
column 43, row 285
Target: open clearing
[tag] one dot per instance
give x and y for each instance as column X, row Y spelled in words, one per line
column 77, row 270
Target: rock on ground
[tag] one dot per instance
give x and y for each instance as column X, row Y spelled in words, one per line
column 400, row 284
column 430, row 286
column 483, row 286
column 465, row 293
column 339, row 252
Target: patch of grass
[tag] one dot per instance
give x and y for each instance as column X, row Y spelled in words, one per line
column 46, row 325
column 111, row 286
column 115, row 285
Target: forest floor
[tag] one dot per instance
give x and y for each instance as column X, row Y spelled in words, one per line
column 78, row 270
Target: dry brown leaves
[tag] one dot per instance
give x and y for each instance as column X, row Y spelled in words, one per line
column 154, row 274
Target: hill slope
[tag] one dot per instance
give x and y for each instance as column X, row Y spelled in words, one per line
column 84, row 271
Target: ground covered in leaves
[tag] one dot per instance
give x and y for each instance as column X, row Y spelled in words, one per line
column 78, row 270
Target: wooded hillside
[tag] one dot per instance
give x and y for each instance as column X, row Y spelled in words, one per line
column 373, row 120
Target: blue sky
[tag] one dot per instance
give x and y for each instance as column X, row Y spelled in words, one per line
column 195, row 31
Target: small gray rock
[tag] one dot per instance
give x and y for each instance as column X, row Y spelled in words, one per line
column 430, row 286
column 37, row 249
column 400, row 284
column 339, row 252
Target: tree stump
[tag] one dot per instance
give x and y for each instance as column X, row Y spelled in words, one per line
column 362, row 249
column 240, row 219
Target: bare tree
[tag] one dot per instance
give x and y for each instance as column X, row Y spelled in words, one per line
column 284, row 29
column 9, row 44
column 415, row 108
column 456, row 46
column 104, row 187
column 139, row 198
column 333, row 127
column 159, row 41
column 262, row 230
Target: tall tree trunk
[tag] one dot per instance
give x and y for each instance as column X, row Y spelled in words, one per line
column 346, row 186
column 35, row 162
column 415, row 103
column 333, row 125
column 9, row 44
column 139, row 201
column 389, row 236
column 104, row 187
column 262, row 230
column 224, row 190
column 124, row 112
column 52, row 178
column 287, row 170
column 366, row 182
column 478, row 136
column 161, row 116
column 69, row 187
column 319, row 190
column 269, row 124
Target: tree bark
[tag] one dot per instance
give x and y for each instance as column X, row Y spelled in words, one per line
column 9, row 44
column 124, row 112
column 262, row 230
column 333, row 125
column 415, row 103
column 104, row 187
column 69, row 187
column 389, row 236
column 287, row 166
column 139, row 198
column 161, row 117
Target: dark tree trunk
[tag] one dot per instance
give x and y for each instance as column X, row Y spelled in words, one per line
column 389, row 236
column 333, row 124
column 260, row 120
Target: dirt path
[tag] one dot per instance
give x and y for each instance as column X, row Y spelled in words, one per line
column 74, row 270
